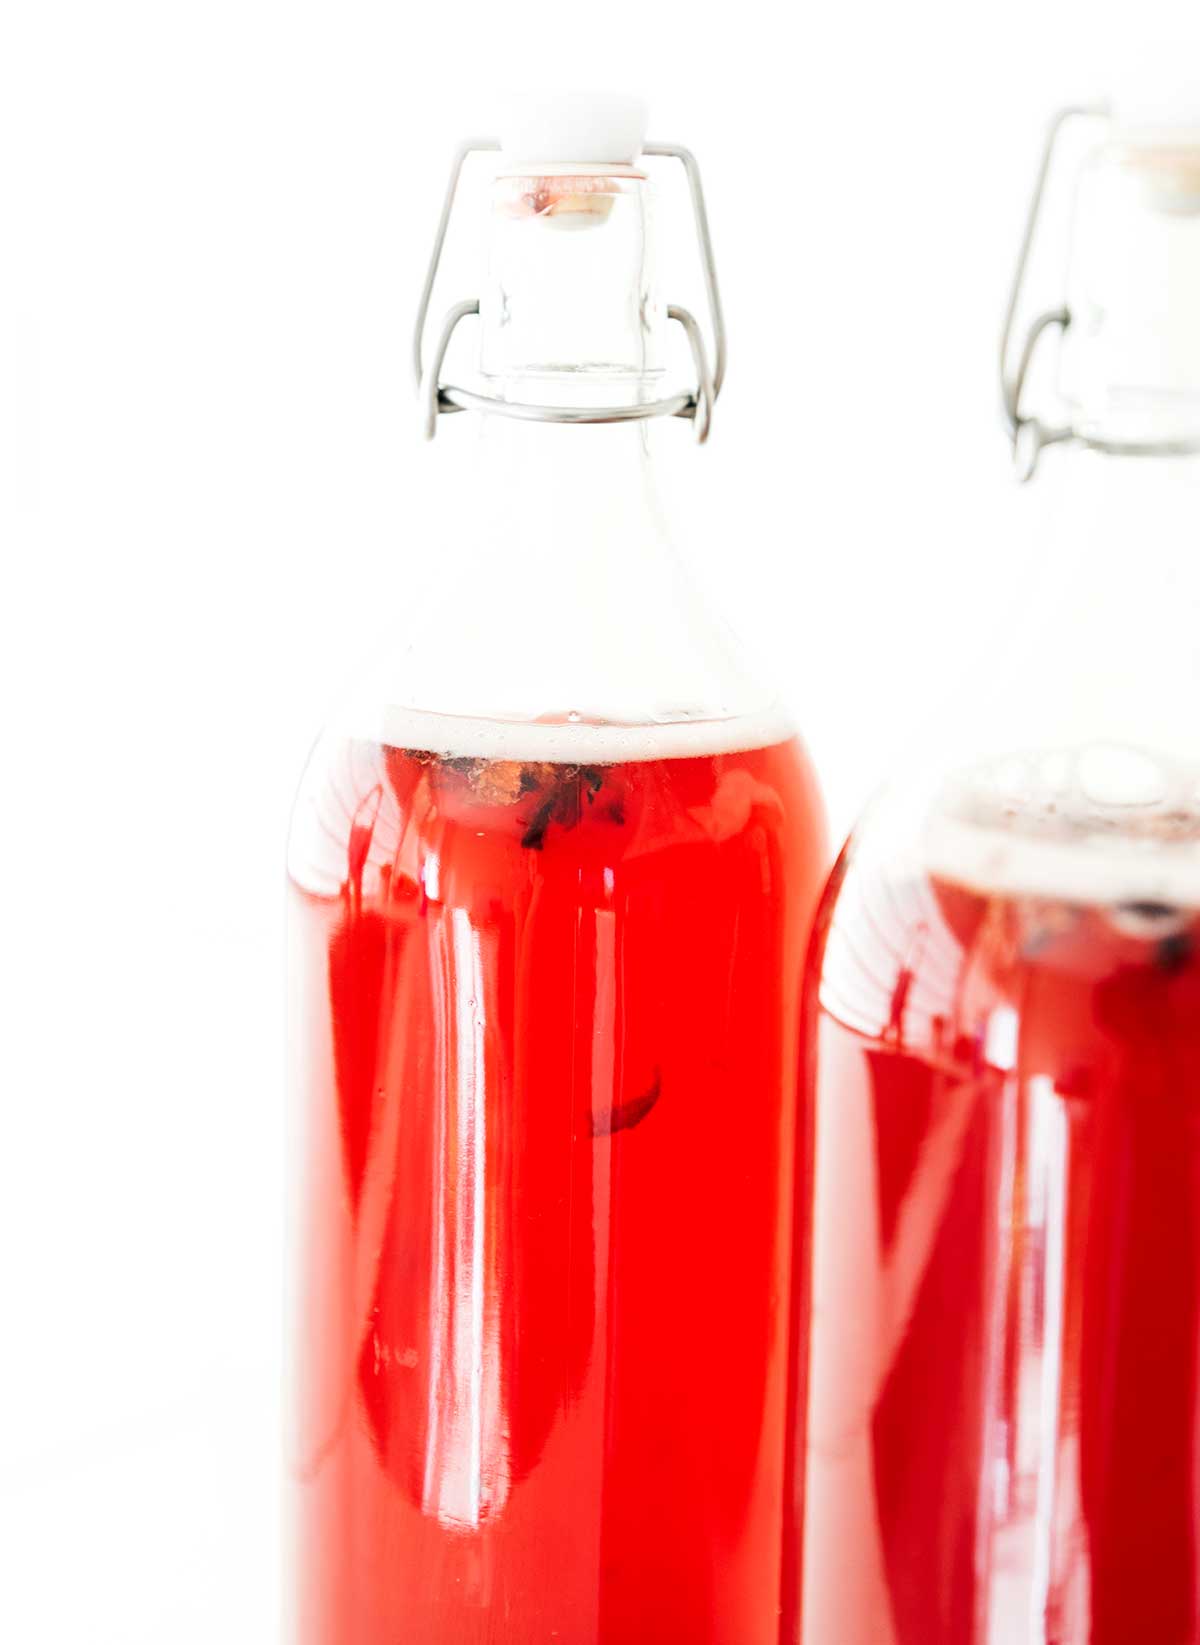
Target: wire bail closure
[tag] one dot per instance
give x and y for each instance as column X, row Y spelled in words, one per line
column 697, row 404
column 1030, row 435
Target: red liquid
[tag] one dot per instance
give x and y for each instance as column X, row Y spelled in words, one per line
column 1005, row 1346
column 548, row 1033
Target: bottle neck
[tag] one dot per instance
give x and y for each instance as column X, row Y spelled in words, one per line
column 1123, row 654
column 1104, row 649
column 1064, row 760
column 555, row 594
column 1103, row 645
column 1130, row 364
column 571, row 313
column 556, row 597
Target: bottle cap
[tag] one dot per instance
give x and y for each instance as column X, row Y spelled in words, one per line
column 573, row 128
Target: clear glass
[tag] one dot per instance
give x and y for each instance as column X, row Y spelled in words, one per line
column 998, row 1366
column 571, row 292
column 552, row 871
column 1130, row 361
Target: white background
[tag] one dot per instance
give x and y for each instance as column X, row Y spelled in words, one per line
column 213, row 223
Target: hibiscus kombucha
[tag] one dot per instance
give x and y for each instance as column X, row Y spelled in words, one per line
column 1004, row 1380
column 545, row 1011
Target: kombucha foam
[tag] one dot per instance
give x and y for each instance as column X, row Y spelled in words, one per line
column 580, row 742
column 1104, row 826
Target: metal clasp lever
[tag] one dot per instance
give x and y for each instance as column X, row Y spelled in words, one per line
column 1030, row 436
column 438, row 397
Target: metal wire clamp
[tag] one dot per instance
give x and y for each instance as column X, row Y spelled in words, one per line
column 1030, row 435
column 696, row 404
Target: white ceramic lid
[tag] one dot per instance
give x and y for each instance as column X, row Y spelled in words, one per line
column 573, row 128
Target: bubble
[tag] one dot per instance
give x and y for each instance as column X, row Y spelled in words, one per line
column 1114, row 776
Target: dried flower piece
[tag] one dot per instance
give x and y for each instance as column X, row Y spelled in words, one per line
column 625, row 1115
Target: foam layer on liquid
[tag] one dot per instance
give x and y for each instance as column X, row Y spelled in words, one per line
column 576, row 742
column 1099, row 826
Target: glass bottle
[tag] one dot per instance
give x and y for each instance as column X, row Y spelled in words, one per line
column 551, row 874
column 1002, row 1022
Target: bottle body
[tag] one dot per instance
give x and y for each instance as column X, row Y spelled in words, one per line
column 1002, row 1027
column 1008, row 1202
column 547, row 1032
